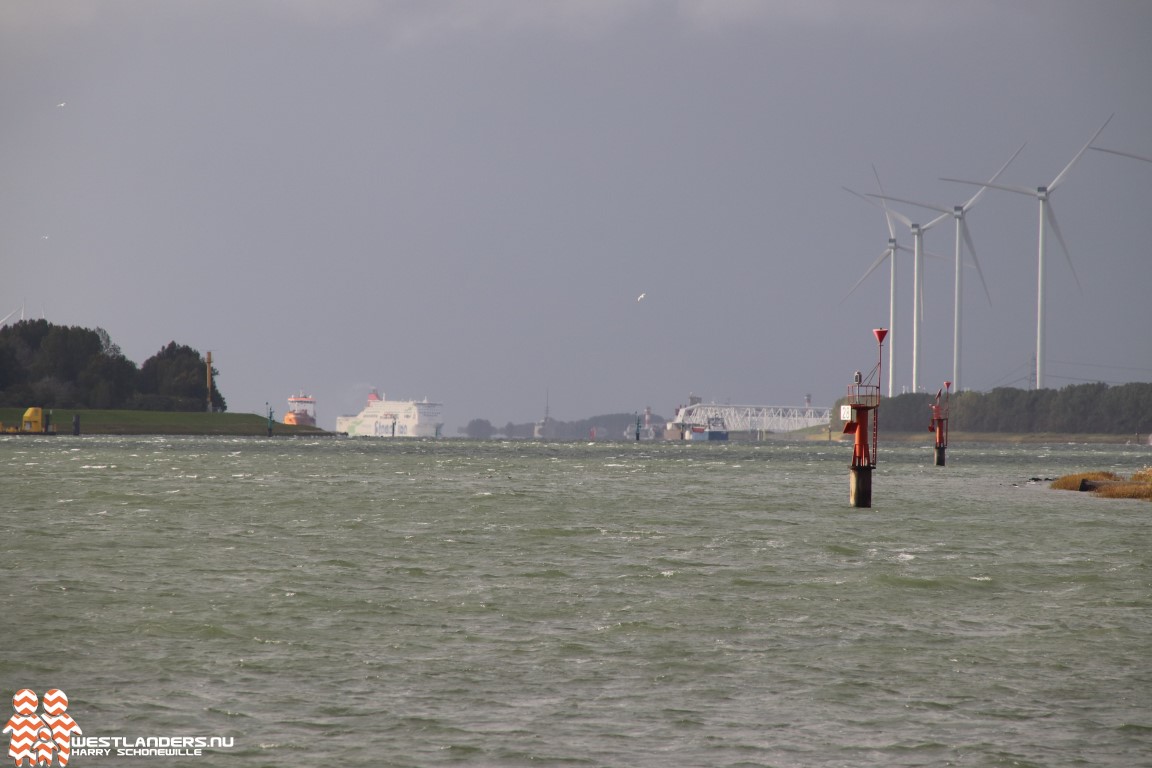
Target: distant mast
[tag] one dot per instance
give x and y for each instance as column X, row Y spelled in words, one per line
column 208, row 365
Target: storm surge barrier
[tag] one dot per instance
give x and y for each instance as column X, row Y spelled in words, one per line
column 753, row 418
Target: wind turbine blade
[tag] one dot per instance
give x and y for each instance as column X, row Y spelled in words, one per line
column 913, row 202
column 887, row 217
column 1125, row 154
column 972, row 250
column 887, row 211
column 871, row 269
column 1056, row 229
column 926, row 252
column 901, row 218
column 1006, row 188
column 935, row 221
column 1060, row 177
column 972, row 200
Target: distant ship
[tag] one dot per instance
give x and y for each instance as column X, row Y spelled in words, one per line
column 686, row 426
column 393, row 418
column 715, row 430
column 301, row 410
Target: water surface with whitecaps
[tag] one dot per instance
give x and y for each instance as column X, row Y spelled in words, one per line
column 422, row 603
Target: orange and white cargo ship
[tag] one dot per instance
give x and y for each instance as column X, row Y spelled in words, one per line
column 301, row 410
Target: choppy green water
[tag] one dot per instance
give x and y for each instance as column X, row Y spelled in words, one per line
column 347, row 602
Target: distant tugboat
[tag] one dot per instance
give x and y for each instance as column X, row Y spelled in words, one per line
column 301, row 410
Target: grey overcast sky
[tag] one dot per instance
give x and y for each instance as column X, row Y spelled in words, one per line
column 463, row 199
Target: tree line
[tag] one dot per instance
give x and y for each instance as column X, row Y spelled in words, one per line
column 1076, row 409
column 56, row 366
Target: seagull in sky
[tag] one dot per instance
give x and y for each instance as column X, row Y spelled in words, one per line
column 61, row 104
column 641, row 297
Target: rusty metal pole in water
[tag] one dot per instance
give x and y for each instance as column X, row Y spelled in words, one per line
column 863, row 398
column 939, row 423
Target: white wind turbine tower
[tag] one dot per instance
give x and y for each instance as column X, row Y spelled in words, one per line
column 889, row 253
column 1042, row 194
column 963, row 236
column 918, row 231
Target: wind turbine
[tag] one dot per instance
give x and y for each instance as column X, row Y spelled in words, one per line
column 963, row 236
column 1047, row 218
column 890, row 254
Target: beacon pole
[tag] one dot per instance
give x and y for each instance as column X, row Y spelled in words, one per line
column 939, row 423
column 863, row 398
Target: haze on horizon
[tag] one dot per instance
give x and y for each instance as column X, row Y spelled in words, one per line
column 463, row 200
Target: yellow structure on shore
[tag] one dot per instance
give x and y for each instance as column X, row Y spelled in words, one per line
column 33, row 423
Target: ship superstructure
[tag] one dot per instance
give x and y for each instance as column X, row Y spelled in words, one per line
column 393, row 418
column 301, row 410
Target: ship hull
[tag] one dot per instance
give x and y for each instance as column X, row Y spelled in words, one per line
column 300, row 419
column 707, row 434
column 301, row 411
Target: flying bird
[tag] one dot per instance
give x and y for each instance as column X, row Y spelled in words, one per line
column 61, row 104
column 641, row 297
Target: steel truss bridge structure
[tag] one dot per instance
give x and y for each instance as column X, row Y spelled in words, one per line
column 753, row 418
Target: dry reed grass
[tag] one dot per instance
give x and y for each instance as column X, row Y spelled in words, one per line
column 1139, row 486
column 1072, row 482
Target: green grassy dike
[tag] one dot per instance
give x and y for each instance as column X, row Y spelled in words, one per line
column 96, row 422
